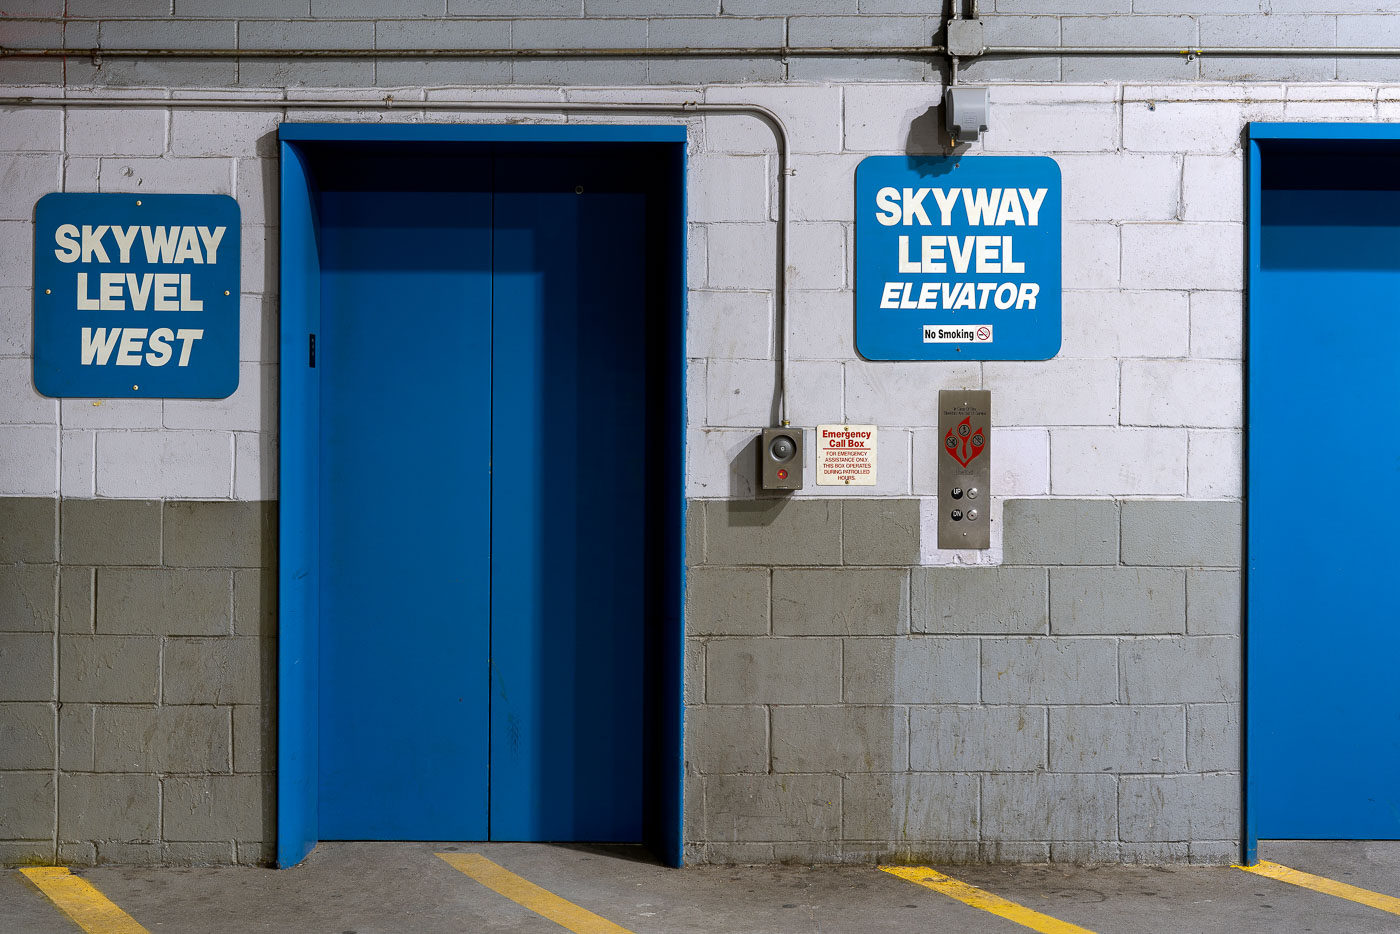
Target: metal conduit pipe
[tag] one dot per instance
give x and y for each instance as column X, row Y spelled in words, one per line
column 779, row 51
column 389, row 103
column 1235, row 51
column 955, row 14
column 911, row 51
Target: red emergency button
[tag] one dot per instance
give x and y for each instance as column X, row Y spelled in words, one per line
column 782, row 473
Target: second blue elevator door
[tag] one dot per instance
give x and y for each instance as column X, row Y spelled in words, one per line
column 1324, row 443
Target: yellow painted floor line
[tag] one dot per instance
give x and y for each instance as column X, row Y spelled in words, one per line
column 525, row 893
column 80, row 900
column 1329, row 886
column 980, row 898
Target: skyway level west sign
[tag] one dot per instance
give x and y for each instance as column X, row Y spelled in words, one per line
column 136, row 295
column 958, row 258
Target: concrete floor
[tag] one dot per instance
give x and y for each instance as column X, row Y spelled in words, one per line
column 402, row 888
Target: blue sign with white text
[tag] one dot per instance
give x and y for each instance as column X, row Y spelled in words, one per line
column 957, row 258
column 136, row 296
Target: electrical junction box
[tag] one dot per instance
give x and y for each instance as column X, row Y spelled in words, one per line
column 780, row 459
column 965, row 468
column 965, row 113
column 965, row 38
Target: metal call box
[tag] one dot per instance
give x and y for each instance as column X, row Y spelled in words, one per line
column 780, row 459
column 964, row 468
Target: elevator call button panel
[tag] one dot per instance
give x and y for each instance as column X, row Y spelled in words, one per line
column 964, row 468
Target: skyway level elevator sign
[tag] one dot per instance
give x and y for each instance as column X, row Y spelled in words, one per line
column 136, row 296
column 958, row 258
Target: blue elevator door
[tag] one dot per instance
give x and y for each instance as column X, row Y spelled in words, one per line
column 405, row 587
column 1324, row 453
column 569, row 402
column 484, row 373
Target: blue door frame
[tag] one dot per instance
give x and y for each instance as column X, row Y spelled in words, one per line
column 1315, row 229
column 299, row 601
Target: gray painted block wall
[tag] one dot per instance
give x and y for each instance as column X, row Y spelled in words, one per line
column 1079, row 703
column 138, row 697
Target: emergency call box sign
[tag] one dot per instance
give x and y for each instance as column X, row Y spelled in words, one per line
column 136, row 296
column 958, row 258
column 845, row 455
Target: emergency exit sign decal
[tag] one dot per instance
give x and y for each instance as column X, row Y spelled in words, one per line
column 958, row 258
column 136, row 296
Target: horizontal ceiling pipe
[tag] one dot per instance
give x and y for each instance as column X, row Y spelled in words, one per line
column 1237, row 51
column 390, row 103
column 781, row 51
column 911, row 51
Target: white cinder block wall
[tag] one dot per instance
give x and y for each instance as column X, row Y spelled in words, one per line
column 138, row 448
column 1144, row 398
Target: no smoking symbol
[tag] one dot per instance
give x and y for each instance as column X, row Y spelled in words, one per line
column 984, row 333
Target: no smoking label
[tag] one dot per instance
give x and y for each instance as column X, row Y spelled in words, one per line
column 845, row 455
column 961, row 334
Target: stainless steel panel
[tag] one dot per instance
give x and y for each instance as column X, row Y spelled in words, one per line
column 965, row 468
column 780, row 459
